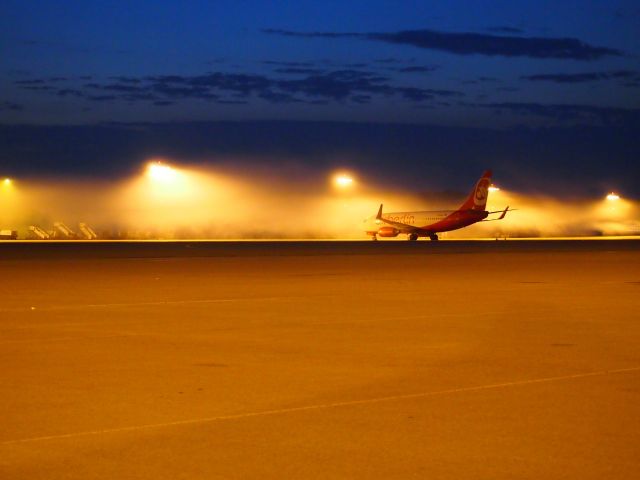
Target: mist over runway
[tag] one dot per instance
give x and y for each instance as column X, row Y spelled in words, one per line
column 172, row 200
column 455, row 359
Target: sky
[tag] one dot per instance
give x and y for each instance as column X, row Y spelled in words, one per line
column 90, row 86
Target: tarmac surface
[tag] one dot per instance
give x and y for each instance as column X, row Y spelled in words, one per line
column 181, row 360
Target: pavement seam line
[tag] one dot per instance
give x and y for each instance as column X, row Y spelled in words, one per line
column 281, row 411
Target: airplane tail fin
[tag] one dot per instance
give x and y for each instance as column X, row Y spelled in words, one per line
column 477, row 199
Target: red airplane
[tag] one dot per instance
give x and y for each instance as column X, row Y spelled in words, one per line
column 430, row 223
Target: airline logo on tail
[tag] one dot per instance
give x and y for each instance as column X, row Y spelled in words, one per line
column 481, row 193
column 477, row 199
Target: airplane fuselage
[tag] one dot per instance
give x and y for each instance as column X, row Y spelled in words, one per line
column 426, row 223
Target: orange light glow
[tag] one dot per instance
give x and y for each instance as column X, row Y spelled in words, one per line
column 612, row 197
column 493, row 188
column 343, row 180
column 159, row 172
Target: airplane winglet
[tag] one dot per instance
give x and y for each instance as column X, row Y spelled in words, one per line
column 504, row 213
column 379, row 215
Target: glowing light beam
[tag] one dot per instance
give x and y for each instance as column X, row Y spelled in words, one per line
column 612, row 197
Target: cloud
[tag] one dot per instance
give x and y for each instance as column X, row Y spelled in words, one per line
column 287, row 64
column 101, row 98
column 580, row 77
column 392, row 60
column 69, row 92
column 11, row 106
column 69, row 47
column 123, row 79
column 416, row 94
column 361, row 99
column 474, row 43
column 416, row 69
column 293, row 84
column 506, row 29
column 140, row 96
column 196, row 86
column 275, row 97
column 479, row 80
column 421, row 94
column 574, row 113
column 298, row 71
column 36, row 81
column 337, row 85
column 217, row 61
column 349, row 65
column 43, row 88
column 121, row 88
column 178, row 91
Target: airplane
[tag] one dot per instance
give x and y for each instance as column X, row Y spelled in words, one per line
column 430, row 223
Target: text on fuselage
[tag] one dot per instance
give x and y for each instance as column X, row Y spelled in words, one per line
column 407, row 219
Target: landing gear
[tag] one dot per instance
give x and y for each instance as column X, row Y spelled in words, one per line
column 374, row 238
column 413, row 237
column 433, row 237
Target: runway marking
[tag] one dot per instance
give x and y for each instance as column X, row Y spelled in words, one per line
column 206, row 301
column 141, row 304
column 64, row 339
column 45, row 308
column 321, row 406
column 310, row 323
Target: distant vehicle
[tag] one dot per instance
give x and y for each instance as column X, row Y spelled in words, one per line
column 38, row 233
column 87, row 231
column 8, row 234
column 430, row 223
column 62, row 231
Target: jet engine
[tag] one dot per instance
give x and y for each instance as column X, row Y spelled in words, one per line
column 388, row 232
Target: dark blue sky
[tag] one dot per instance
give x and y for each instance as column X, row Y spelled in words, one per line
column 453, row 63
column 507, row 64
